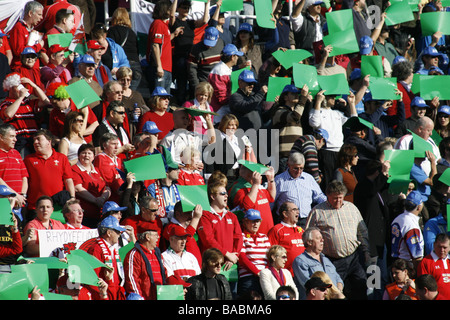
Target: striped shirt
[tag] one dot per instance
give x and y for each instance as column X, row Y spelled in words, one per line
column 343, row 229
column 185, row 266
column 303, row 191
column 287, row 120
column 254, row 247
column 24, row 120
column 306, row 145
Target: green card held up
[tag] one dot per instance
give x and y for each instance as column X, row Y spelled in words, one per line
column 445, row 177
column 231, row 274
column 343, row 42
column 235, row 78
column 253, row 166
column 232, row 5
column 335, row 84
column 80, row 270
column 420, row 146
column 401, row 162
column 50, row 262
column 37, row 275
column 190, row 196
column 63, row 39
column 289, row 57
column 147, row 167
column 398, row 12
column 276, row 86
column 430, row 22
column 6, row 217
column 306, row 74
column 93, row 261
column 125, row 249
column 169, row 292
column 436, row 137
column 197, row 112
column 372, row 65
column 435, row 86
column 383, row 88
column 415, row 86
column 14, row 286
column 397, row 185
column 81, row 93
column 264, row 14
column 339, row 20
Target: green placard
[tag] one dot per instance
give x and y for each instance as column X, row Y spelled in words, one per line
column 253, row 166
column 125, row 249
column 6, row 217
column 90, row 259
column 383, row 88
column 57, row 213
column 355, row 120
column 372, row 65
column 343, row 42
column 190, row 196
column 435, row 86
column 398, row 12
column 50, row 262
column 56, row 296
column 81, row 93
column 231, row 274
column 147, row 167
column 420, row 146
column 235, row 78
column 415, row 86
column 80, row 270
column 63, row 39
column 306, row 74
column 445, row 177
column 292, row 56
column 436, row 137
column 264, row 14
column 448, row 220
column 37, row 275
column 169, row 292
column 14, row 286
column 401, row 162
column 276, row 86
column 339, row 20
column 197, row 112
column 430, row 22
column 335, row 84
column 398, row 185
column 232, row 5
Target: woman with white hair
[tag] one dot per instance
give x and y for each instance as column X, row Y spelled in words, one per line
column 18, row 110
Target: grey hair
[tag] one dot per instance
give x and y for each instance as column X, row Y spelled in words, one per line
column 307, row 235
column 296, row 158
column 423, row 122
column 5, row 127
column 336, row 186
column 32, row 6
column 146, row 200
column 141, row 236
column 10, row 81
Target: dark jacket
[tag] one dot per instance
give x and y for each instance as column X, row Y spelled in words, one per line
column 304, row 37
column 247, row 109
column 198, row 289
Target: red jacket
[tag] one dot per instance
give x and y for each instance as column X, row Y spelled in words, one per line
column 18, row 40
column 14, row 248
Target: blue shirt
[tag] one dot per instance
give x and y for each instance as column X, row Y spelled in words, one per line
column 432, row 228
column 303, row 191
column 420, row 176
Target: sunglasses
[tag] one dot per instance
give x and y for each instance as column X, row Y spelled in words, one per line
column 120, row 112
column 222, row 193
column 322, row 289
column 442, row 115
column 284, row 296
column 152, row 210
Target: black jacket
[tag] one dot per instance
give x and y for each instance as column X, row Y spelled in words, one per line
column 198, row 289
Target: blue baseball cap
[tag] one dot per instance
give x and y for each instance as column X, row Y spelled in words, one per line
column 134, row 296
column 161, row 92
column 323, row 133
column 88, row 59
column 415, row 197
column 112, row 206
column 245, row 27
column 365, row 45
column 356, row 74
column 111, row 222
column 431, row 51
column 444, row 109
column 231, row 50
column 5, row 191
column 252, row 214
column 211, row 36
column 398, row 59
column 247, row 76
column 29, row 50
column 291, row 88
column 419, row 102
column 150, row 127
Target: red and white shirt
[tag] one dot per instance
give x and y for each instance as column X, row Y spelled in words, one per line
column 290, row 238
column 12, row 169
column 252, row 258
column 184, row 266
column 439, row 269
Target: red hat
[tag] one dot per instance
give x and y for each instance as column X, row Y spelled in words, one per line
column 94, row 44
column 178, row 231
column 176, row 279
column 56, row 48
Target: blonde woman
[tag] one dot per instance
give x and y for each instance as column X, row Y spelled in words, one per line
column 203, row 95
column 333, row 292
column 275, row 275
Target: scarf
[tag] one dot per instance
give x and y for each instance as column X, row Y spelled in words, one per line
column 159, row 194
column 278, row 275
column 103, row 74
column 148, row 265
column 116, row 263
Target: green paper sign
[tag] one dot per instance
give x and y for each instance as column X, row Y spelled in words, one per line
column 37, row 275
column 306, row 74
column 398, row 12
column 445, row 177
column 50, row 262
column 264, row 14
column 235, row 78
column 415, row 86
column 55, row 296
column 125, row 249
column 276, row 86
column 190, row 196
column 397, row 186
column 57, row 213
column 401, row 162
column 14, row 286
column 169, row 292
column 420, row 146
column 231, row 5
column 372, row 65
column 81, row 93
column 231, row 274
column 383, row 88
column 253, row 166
column 292, row 56
column 197, row 112
column 6, row 217
column 90, row 259
column 343, row 42
column 430, row 22
column 436, row 137
column 80, row 270
column 335, row 84
column 63, row 39
column 448, row 220
column 435, row 86
column 340, row 20
column 147, row 167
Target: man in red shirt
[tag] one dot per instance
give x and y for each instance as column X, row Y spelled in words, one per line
column 147, row 219
column 437, row 264
column 13, row 172
column 287, row 233
column 49, row 171
column 427, row 288
column 20, row 33
column 247, row 193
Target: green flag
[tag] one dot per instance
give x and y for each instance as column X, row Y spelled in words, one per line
column 81, row 93
column 170, row 292
column 306, row 74
column 190, row 196
column 335, row 84
column 289, row 57
column 430, row 22
column 6, row 217
column 276, row 86
column 398, row 12
column 435, row 86
column 264, row 14
column 372, row 65
column 383, row 88
column 146, row 167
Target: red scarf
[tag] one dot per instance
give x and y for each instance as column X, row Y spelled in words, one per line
column 278, row 275
column 104, row 75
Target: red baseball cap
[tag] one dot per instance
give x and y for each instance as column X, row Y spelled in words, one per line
column 56, row 48
column 94, row 44
column 178, row 231
column 176, row 279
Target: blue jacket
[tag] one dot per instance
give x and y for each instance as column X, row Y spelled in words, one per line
column 119, row 56
column 432, row 228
